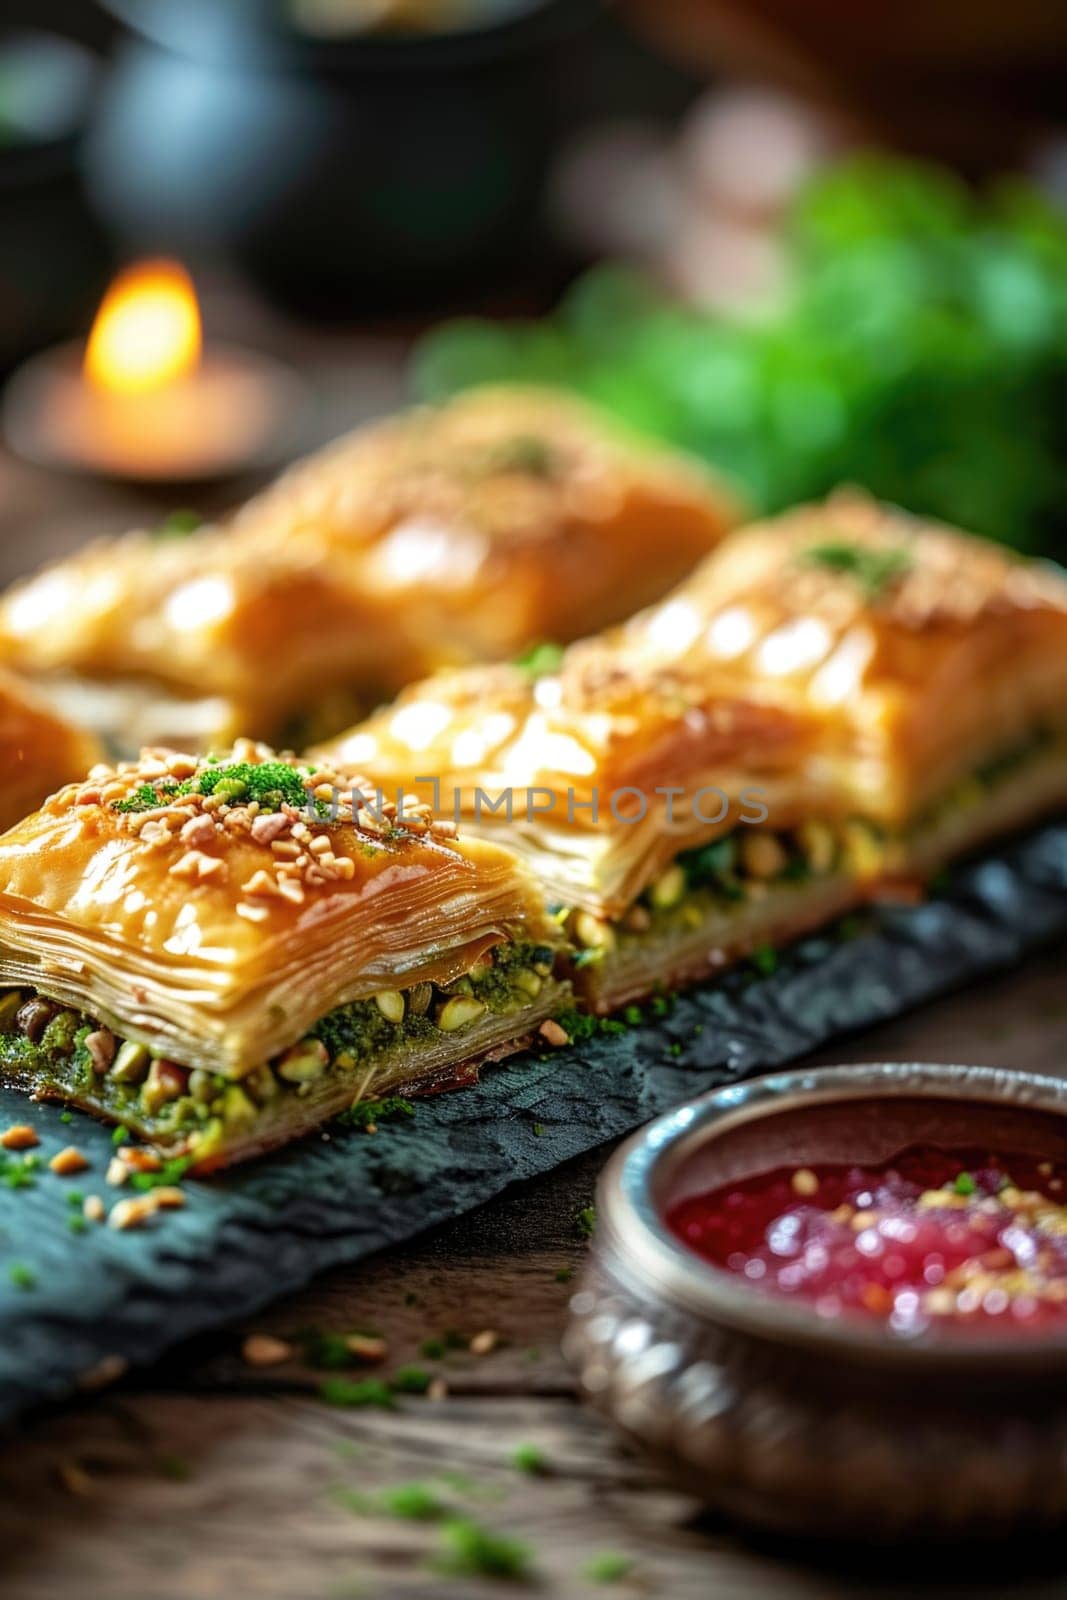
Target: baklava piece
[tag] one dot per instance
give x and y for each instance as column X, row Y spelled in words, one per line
column 889, row 693
column 38, row 750
column 223, row 954
column 445, row 535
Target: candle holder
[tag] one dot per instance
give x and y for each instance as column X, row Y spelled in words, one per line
column 240, row 412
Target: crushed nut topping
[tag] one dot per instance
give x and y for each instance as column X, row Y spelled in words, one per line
column 68, row 1161
column 196, row 808
column 20, row 1136
column 264, row 1350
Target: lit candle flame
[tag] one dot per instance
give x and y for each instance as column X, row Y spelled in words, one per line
column 147, row 331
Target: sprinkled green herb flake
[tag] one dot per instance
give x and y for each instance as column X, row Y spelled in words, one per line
column 18, row 1174
column 66, row 1116
column 120, row 1135
column 585, row 1221
column 577, row 1025
column 329, row 1352
column 367, row 1114
column 357, row 1393
column 170, row 1173
column 413, row 1502
column 77, row 1224
column 146, row 797
column 765, row 960
column 610, row 1566
column 178, row 524
column 965, row 1184
column 541, row 660
column 469, row 1550
column 271, row 783
column 432, row 1349
column 529, row 1458
column 874, row 570
column 539, row 1130
column 22, row 1276
column 410, row 1380
column 565, row 1274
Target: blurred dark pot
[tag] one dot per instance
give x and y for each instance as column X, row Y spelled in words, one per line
column 389, row 167
column 54, row 261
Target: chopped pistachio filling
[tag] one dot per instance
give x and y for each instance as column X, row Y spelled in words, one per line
column 67, row 1053
column 724, row 875
column 744, row 865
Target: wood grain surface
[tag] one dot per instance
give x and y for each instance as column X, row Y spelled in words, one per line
column 207, row 1477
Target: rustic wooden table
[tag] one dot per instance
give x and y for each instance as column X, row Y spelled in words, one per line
column 207, row 1476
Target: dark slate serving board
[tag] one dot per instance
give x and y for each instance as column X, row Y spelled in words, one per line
column 247, row 1237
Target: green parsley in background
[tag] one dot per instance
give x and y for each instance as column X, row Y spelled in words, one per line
column 920, row 351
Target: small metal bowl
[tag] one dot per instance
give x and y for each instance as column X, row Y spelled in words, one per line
column 788, row 1419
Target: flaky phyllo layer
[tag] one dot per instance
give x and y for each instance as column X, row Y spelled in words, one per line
column 246, row 943
column 895, row 689
column 446, row 534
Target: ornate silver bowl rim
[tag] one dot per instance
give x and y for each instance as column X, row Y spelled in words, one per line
column 645, row 1255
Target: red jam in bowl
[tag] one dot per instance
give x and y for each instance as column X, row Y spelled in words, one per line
column 932, row 1236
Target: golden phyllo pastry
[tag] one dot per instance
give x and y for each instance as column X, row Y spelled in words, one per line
column 933, row 665
column 224, row 953
column 38, row 750
column 834, row 699
column 445, row 535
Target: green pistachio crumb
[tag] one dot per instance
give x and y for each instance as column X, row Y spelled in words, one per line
column 329, row 1352
column 361, row 1392
column 367, row 1114
column 414, row 1502
column 469, row 1550
column 410, row 1380
column 18, row 1174
column 177, row 524
column 170, row 1173
column 874, row 570
column 765, row 960
column 541, row 660
column 610, row 1566
column 529, row 1458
